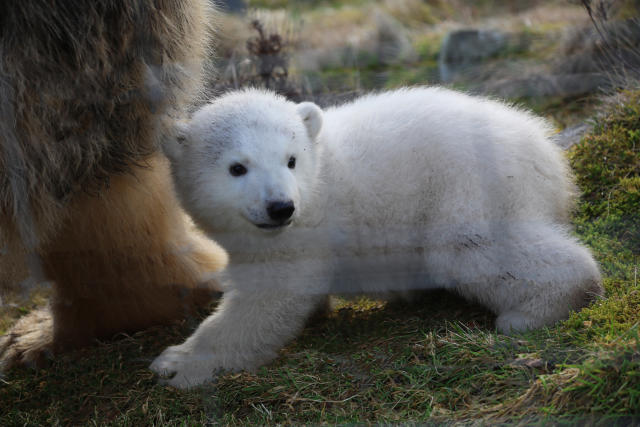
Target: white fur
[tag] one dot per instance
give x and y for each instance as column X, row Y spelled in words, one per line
column 414, row 188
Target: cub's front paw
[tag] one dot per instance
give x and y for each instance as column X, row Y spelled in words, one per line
column 184, row 367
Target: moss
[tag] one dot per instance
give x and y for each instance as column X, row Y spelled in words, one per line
column 607, row 167
column 608, row 320
column 609, row 155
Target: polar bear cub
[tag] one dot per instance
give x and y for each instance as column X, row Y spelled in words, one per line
column 402, row 190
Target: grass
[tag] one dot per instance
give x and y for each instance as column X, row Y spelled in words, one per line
column 105, row 383
column 434, row 360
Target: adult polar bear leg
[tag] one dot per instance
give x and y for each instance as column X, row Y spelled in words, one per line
column 245, row 332
column 123, row 261
column 530, row 274
column 143, row 266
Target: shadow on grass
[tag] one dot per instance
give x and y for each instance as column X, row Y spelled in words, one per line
column 110, row 382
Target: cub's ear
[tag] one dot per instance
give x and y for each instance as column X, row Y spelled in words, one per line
column 174, row 146
column 312, row 117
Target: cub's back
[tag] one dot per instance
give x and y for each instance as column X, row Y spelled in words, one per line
column 431, row 154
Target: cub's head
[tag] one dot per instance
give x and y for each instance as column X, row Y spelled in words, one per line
column 247, row 160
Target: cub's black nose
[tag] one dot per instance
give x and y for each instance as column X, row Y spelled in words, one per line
column 280, row 211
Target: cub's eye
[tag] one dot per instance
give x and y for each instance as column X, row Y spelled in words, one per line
column 237, row 169
column 292, row 162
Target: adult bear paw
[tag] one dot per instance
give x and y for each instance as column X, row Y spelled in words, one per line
column 29, row 342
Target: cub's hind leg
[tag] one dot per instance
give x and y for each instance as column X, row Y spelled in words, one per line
column 530, row 274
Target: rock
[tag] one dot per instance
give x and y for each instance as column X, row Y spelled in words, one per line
column 545, row 85
column 571, row 135
column 393, row 44
column 463, row 48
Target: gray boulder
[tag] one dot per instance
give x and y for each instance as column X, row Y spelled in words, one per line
column 464, row 48
column 545, row 85
column 393, row 44
column 571, row 135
